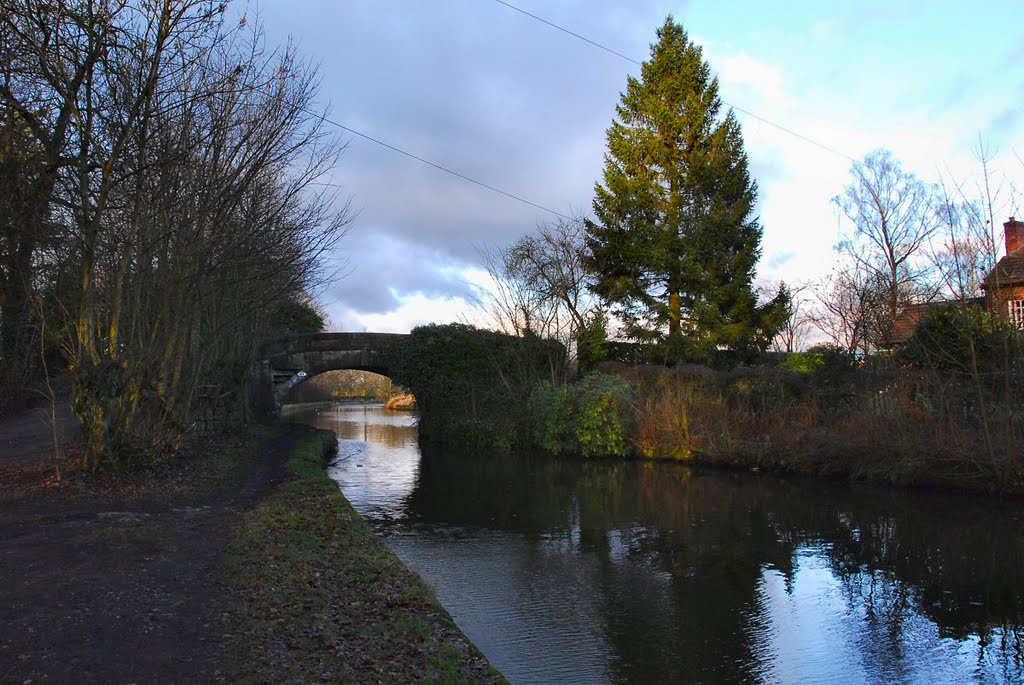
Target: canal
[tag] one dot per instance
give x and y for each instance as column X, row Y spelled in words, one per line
column 573, row 571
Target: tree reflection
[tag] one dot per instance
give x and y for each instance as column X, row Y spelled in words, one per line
column 682, row 556
column 686, row 575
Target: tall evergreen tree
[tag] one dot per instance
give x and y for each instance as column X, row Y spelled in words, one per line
column 675, row 243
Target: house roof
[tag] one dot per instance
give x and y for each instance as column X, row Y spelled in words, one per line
column 1008, row 272
column 905, row 323
column 907, row 320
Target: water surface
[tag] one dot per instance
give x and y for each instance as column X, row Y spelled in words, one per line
column 572, row 571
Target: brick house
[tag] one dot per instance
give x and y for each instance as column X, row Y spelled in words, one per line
column 1004, row 285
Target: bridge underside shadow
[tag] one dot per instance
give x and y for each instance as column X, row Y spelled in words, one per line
column 285, row 362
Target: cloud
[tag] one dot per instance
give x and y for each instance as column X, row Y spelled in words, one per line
column 757, row 82
column 390, row 268
column 1005, row 124
column 779, row 259
column 415, row 310
column 494, row 95
column 959, row 90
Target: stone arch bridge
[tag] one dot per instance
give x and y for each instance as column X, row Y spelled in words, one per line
column 282, row 363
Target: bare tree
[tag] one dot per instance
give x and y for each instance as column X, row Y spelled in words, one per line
column 540, row 284
column 512, row 305
column 848, row 302
column 967, row 252
column 182, row 158
column 892, row 219
column 550, row 261
column 799, row 319
column 540, row 288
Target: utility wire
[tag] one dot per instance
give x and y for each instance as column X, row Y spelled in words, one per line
column 523, row 200
column 565, row 30
column 440, row 167
column 435, row 165
column 618, row 54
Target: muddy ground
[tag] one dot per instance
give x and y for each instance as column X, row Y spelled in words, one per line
column 114, row 580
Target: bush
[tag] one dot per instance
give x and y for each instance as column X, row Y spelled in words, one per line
column 549, row 417
column 968, row 340
column 802, row 362
column 835, row 376
column 585, row 418
column 600, row 402
column 471, row 385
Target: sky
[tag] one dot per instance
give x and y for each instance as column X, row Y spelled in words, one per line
column 481, row 89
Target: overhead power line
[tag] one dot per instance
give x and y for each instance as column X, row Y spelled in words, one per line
column 571, row 33
column 518, row 198
column 439, row 167
column 627, row 58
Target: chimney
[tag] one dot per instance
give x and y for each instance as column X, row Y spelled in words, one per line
column 1014, row 231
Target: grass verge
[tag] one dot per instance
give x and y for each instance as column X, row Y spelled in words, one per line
column 320, row 598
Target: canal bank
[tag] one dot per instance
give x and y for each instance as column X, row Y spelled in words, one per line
column 614, row 571
column 318, row 597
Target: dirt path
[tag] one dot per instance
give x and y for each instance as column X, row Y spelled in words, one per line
column 27, row 455
column 102, row 583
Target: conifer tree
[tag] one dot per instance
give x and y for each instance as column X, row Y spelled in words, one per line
column 674, row 245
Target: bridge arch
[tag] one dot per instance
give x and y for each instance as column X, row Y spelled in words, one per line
column 282, row 363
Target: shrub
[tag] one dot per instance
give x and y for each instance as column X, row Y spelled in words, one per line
column 599, row 406
column 962, row 339
column 585, row 418
column 802, row 362
column 471, row 384
column 549, row 416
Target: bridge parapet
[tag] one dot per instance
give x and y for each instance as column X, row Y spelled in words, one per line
column 326, row 342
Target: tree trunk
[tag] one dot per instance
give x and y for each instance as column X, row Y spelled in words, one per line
column 674, row 314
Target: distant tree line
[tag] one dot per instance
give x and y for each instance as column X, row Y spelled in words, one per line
column 159, row 209
column 344, row 384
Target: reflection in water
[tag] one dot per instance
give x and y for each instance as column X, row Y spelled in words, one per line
column 581, row 571
column 368, row 439
column 363, row 422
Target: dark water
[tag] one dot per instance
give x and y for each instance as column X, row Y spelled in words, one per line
column 567, row 571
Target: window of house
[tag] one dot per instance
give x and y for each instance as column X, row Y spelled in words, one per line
column 1016, row 312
